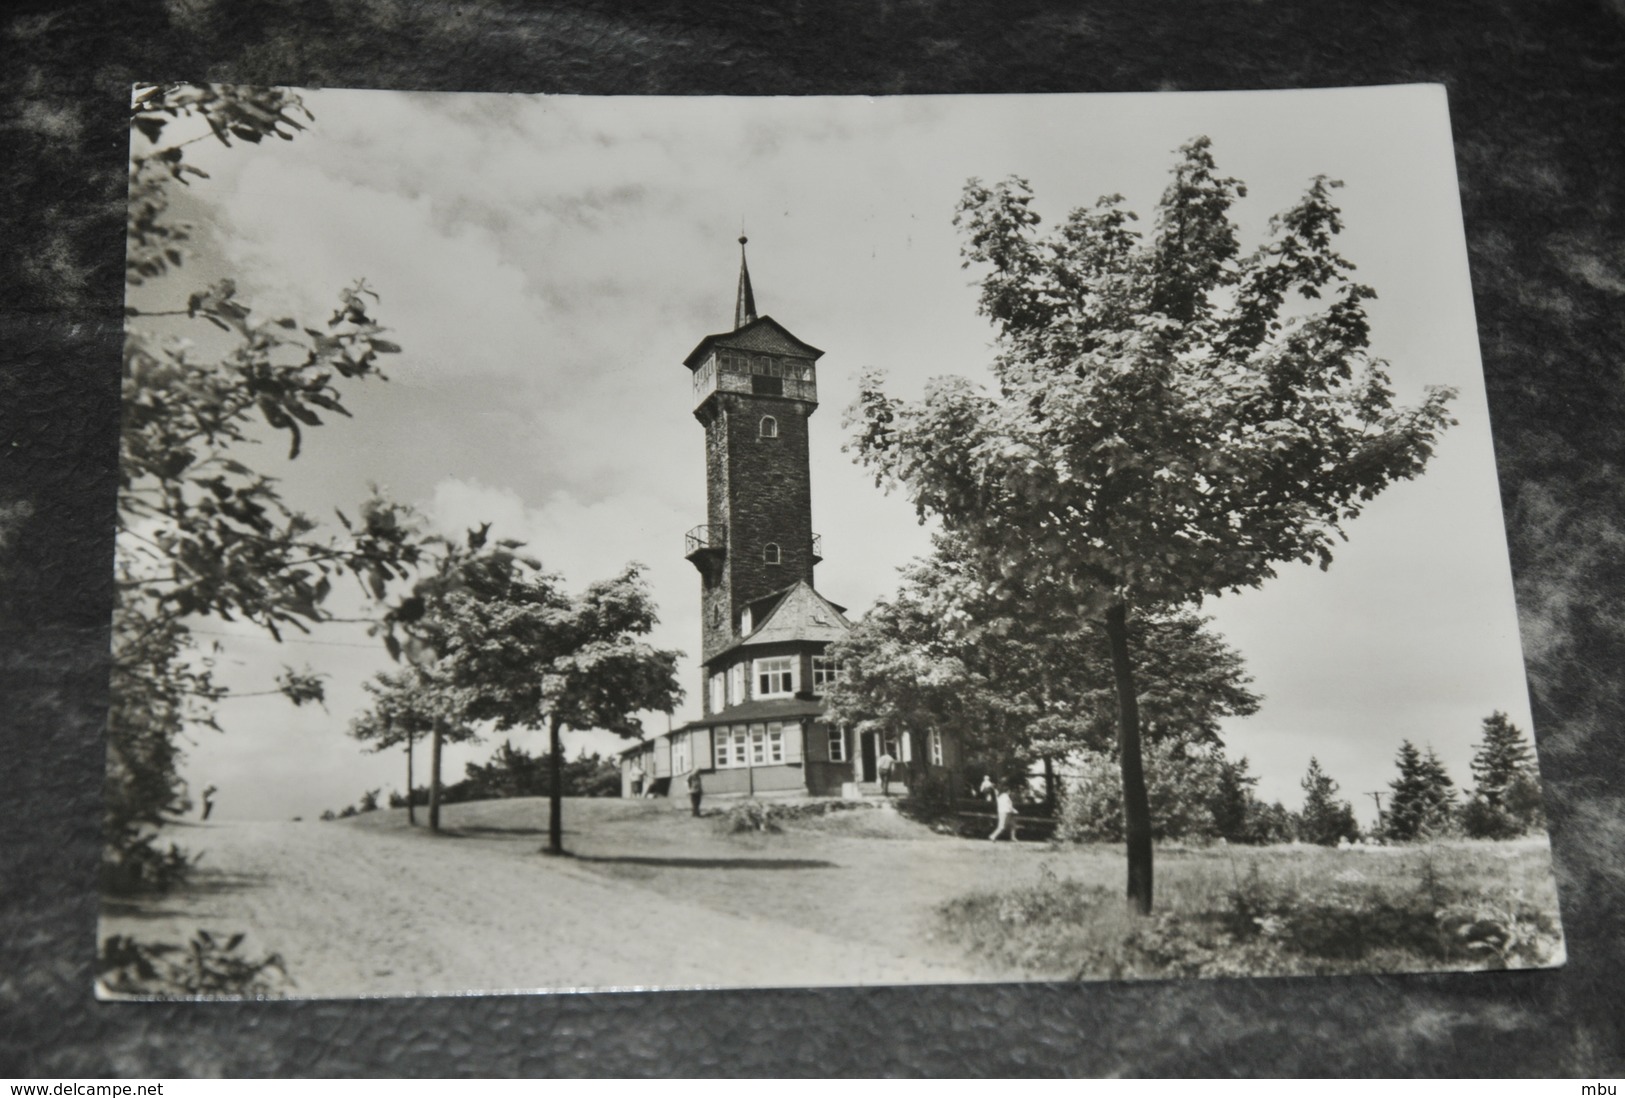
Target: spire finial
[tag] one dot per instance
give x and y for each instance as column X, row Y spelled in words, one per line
column 745, row 301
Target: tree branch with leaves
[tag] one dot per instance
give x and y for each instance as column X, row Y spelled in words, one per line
column 201, row 533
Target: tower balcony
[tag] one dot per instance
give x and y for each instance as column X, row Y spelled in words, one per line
column 705, row 545
column 817, row 548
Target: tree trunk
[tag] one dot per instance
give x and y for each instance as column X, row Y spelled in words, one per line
column 1051, row 793
column 411, row 810
column 1136, row 804
column 555, row 807
column 434, row 781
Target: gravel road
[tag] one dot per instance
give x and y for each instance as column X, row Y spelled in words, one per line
column 374, row 911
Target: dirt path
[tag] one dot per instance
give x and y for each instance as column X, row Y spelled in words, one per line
column 376, row 910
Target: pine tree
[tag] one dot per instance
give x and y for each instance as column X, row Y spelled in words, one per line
column 1232, row 799
column 1424, row 797
column 1325, row 819
column 1506, row 802
column 1500, row 758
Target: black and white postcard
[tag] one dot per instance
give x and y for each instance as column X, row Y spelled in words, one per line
column 597, row 543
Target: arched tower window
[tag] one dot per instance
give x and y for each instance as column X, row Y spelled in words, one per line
column 769, row 428
column 770, row 554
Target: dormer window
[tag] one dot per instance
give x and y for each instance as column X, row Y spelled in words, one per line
column 769, row 428
column 770, row 554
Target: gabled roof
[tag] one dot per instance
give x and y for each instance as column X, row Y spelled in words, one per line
column 763, row 335
column 799, row 613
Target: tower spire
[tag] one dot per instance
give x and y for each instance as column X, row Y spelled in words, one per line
column 745, row 302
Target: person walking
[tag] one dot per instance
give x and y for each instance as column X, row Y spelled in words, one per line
column 883, row 767
column 695, row 790
column 637, row 779
column 1007, row 816
column 208, row 801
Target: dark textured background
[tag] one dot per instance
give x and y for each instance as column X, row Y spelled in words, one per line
column 1537, row 92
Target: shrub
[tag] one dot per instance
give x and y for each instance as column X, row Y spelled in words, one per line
column 1515, row 810
column 751, row 816
column 1182, row 788
column 1505, row 930
column 204, row 967
column 1268, row 921
column 136, row 865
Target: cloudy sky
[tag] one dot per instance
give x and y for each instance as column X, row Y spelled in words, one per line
column 547, row 262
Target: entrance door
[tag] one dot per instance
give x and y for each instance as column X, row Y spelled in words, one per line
column 867, row 755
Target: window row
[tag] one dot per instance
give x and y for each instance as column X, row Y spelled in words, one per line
column 748, row 744
column 770, row 677
column 767, row 366
column 775, row 742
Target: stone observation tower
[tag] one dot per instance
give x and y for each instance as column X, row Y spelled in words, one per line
column 766, row 630
column 754, row 388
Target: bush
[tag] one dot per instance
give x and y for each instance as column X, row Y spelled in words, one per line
column 1267, row 824
column 1515, row 811
column 1505, row 930
column 204, row 967
column 931, row 797
column 135, row 865
column 1181, row 788
column 1262, row 924
column 752, row 816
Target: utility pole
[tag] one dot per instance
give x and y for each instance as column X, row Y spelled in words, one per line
column 1377, row 796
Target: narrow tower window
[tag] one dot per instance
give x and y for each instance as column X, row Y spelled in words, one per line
column 770, row 427
column 770, row 554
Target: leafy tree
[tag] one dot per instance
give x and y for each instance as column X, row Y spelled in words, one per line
column 1423, row 800
column 1174, row 418
column 1019, row 680
column 1269, row 823
column 201, row 533
column 1506, row 800
column 1325, row 819
column 408, row 705
column 507, row 644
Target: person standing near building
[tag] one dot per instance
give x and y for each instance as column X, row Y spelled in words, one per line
column 883, row 767
column 637, row 779
column 695, row 790
column 1007, row 816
